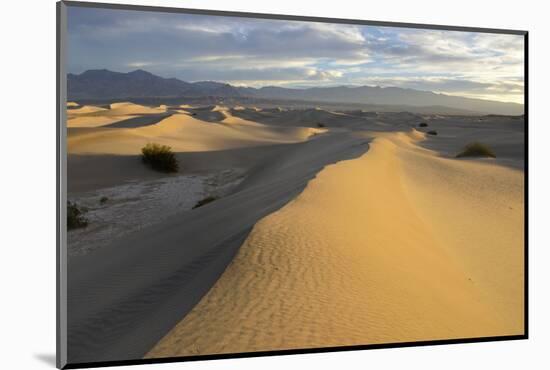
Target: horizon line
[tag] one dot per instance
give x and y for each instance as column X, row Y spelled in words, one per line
column 294, row 88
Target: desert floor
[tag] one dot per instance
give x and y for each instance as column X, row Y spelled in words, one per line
column 331, row 228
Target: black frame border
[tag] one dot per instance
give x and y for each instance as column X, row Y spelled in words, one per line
column 61, row 153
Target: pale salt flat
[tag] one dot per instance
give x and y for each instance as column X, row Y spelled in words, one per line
column 136, row 205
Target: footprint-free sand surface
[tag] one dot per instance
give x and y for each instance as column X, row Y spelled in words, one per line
column 397, row 245
column 94, row 116
column 183, row 133
column 344, row 228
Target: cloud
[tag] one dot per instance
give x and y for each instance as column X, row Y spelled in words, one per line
column 256, row 52
column 323, row 75
column 509, row 90
column 181, row 38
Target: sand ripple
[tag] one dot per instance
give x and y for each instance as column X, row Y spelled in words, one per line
column 397, row 245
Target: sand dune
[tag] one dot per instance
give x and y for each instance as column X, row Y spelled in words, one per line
column 183, row 133
column 125, row 297
column 311, row 117
column 397, row 245
column 213, row 113
column 92, row 116
column 316, row 117
column 503, row 134
column 85, row 109
column 219, row 108
column 93, row 121
column 127, row 108
column 140, row 121
column 402, row 243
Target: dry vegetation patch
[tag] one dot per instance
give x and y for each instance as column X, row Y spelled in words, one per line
column 476, row 149
column 159, row 157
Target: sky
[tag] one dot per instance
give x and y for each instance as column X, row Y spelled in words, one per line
column 260, row 52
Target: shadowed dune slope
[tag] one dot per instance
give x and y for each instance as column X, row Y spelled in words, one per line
column 139, row 121
column 92, row 116
column 122, row 299
column 86, row 109
column 398, row 245
column 305, row 117
column 183, row 133
column 95, row 121
column 315, row 117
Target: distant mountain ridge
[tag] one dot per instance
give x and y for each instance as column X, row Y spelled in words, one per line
column 105, row 84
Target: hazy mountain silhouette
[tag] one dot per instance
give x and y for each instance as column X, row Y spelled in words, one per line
column 105, row 84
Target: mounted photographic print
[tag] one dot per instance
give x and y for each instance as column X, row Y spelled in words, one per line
column 235, row 184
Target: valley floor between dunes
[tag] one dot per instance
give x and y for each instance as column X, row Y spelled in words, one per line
column 324, row 228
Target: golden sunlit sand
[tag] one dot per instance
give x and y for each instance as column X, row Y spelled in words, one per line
column 398, row 245
column 93, row 116
column 182, row 133
column 92, row 121
column 127, row 108
column 324, row 228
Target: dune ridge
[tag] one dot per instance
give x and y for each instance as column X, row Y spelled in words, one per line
column 93, row 116
column 403, row 243
column 132, row 108
column 125, row 297
column 91, row 121
column 183, row 133
column 398, row 245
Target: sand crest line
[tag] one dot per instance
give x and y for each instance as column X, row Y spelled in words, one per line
column 410, row 210
column 309, row 275
column 109, row 284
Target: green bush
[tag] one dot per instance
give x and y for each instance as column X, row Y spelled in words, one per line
column 422, row 124
column 204, row 201
column 159, row 157
column 103, row 200
column 476, row 149
column 432, row 132
column 75, row 219
column 320, row 124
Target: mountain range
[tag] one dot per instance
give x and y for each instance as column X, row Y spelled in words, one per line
column 105, row 84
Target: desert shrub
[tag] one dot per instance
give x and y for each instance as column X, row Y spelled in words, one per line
column 476, row 149
column 432, row 132
column 204, row 201
column 422, row 124
column 75, row 218
column 103, row 200
column 159, row 157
